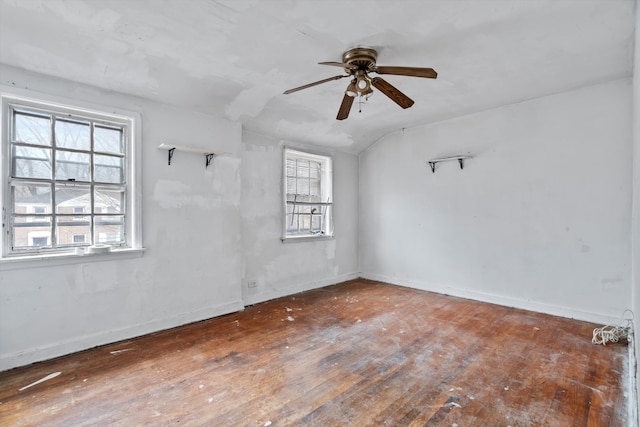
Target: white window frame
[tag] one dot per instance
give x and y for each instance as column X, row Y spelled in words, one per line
column 326, row 177
column 132, row 245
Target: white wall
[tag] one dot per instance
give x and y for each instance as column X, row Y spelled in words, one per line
column 285, row 268
column 636, row 197
column 539, row 218
column 191, row 227
column 207, row 232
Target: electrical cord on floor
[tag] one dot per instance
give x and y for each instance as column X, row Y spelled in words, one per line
column 613, row 333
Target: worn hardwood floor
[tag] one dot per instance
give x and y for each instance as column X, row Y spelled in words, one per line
column 355, row 354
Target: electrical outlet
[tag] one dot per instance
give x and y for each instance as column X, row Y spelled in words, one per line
column 252, row 284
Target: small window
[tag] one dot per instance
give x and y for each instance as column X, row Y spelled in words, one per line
column 39, row 241
column 68, row 175
column 308, row 195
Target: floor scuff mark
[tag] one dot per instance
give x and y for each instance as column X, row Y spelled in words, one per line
column 41, row 380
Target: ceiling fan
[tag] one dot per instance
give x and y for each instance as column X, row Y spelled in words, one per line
column 358, row 63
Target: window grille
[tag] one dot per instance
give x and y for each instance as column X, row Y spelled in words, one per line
column 308, row 195
column 67, row 178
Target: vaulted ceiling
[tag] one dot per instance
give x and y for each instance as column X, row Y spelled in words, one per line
column 234, row 58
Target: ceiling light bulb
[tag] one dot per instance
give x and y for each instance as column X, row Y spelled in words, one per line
column 363, row 85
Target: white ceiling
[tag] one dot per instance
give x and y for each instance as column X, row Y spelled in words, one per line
column 235, row 57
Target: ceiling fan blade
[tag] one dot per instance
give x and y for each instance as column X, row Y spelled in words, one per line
column 345, row 107
column 295, row 89
column 340, row 64
column 392, row 92
column 428, row 73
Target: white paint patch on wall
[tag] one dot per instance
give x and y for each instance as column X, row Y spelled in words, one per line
column 224, row 178
column 539, row 218
column 635, row 294
column 251, row 101
column 323, row 132
column 191, row 228
column 284, row 268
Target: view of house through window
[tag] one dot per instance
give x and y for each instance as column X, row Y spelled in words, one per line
column 67, row 179
column 308, row 194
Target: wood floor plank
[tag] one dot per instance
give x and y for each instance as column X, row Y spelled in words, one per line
column 358, row 353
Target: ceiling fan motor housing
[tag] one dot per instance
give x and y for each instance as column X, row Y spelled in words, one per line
column 362, row 57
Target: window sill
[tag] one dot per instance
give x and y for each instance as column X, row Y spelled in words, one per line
column 52, row 260
column 292, row 239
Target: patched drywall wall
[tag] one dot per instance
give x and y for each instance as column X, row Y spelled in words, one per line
column 539, row 218
column 278, row 268
column 635, row 294
column 207, row 231
column 191, row 229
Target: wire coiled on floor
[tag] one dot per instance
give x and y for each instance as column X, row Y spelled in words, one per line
column 613, row 333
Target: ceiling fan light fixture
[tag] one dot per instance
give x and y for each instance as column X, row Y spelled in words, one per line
column 352, row 90
column 363, row 84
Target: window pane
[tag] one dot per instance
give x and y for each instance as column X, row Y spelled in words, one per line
column 291, row 186
column 303, row 172
column 305, row 222
column 31, row 162
column 72, row 166
column 109, row 201
column 73, row 199
column 303, row 186
column 316, row 223
column 290, row 222
column 291, row 168
column 314, row 189
column 68, row 227
column 107, row 140
column 109, row 229
column 74, row 135
column 32, row 129
column 31, row 232
column 108, row 169
column 31, row 198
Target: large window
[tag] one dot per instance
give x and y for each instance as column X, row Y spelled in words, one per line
column 308, row 195
column 68, row 177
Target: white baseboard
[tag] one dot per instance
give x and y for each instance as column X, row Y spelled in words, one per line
column 45, row 352
column 26, row 357
column 8, row 361
column 540, row 307
column 294, row 289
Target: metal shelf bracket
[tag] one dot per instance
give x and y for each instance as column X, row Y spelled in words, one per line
column 171, row 148
column 208, row 158
column 432, row 163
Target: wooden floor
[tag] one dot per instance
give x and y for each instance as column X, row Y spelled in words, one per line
column 355, row 354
